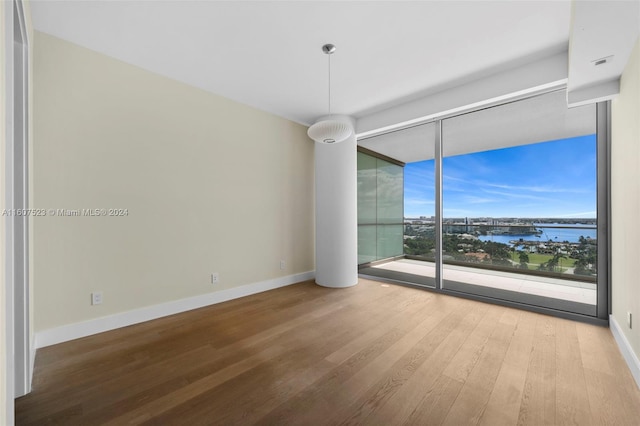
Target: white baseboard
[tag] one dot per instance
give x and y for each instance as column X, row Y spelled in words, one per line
column 625, row 347
column 87, row 328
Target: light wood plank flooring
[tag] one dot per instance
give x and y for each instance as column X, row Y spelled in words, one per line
column 373, row 354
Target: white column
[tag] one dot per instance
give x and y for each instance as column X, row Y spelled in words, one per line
column 336, row 214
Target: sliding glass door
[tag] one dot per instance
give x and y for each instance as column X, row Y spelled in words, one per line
column 520, row 204
column 503, row 203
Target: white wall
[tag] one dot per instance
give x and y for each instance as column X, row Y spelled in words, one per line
column 210, row 186
column 625, row 201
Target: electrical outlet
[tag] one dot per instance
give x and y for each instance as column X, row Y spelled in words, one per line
column 629, row 320
column 215, row 278
column 282, row 264
column 96, row 298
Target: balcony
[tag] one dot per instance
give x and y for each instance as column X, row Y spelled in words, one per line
column 526, row 263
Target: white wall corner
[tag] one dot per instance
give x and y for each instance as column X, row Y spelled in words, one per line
column 597, row 53
column 111, row 322
column 625, row 348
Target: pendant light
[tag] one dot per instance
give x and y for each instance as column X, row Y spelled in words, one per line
column 331, row 128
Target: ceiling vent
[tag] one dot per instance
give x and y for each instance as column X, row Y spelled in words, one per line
column 602, row 61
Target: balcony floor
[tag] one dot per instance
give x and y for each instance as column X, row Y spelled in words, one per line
column 555, row 288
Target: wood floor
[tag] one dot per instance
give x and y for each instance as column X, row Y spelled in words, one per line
column 374, row 354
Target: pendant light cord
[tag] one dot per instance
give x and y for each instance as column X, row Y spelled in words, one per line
column 329, row 101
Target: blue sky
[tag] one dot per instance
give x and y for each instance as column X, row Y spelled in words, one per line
column 551, row 179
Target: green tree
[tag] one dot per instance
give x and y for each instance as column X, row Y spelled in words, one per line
column 586, row 257
column 552, row 264
column 523, row 256
column 497, row 251
column 418, row 246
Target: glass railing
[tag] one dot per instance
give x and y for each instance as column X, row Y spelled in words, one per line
column 378, row 241
column 420, row 240
column 559, row 250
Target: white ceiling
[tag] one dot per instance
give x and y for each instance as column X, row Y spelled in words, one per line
column 267, row 53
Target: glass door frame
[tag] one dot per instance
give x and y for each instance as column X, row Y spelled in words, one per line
column 603, row 137
column 603, row 225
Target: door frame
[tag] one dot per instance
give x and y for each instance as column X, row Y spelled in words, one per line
column 16, row 187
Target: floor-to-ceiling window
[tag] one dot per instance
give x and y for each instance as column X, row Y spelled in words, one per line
column 505, row 205
column 519, row 203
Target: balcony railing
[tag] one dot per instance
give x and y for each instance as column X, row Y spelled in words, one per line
column 566, row 251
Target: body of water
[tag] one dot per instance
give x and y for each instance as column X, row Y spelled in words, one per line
column 554, row 234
